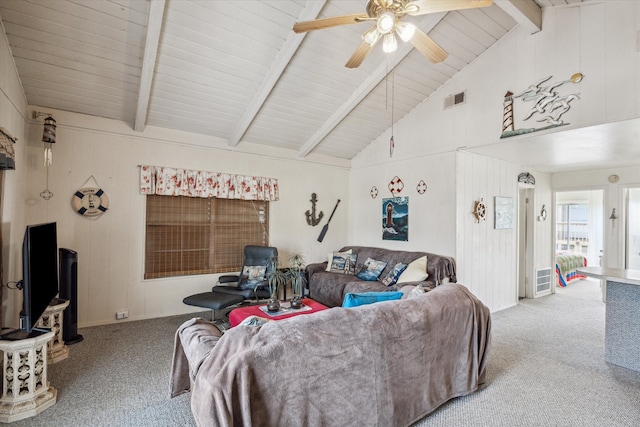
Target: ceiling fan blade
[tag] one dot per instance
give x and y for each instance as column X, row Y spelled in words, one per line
column 318, row 24
column 422, row 7
column 426, row 46
column 358, row 56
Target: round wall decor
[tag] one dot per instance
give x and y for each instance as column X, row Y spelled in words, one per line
column 480, row 210
column 421, row 188
column 90, row 202
column 373, row 192
column 396, row 185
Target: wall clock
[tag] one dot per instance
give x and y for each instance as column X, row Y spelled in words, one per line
column 90, row 202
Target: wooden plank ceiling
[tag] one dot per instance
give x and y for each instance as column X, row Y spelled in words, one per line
column 235, row 69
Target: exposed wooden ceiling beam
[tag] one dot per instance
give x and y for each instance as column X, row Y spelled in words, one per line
column 367, row 86
column 525, row 12
column 289, row 48
column 154, row 25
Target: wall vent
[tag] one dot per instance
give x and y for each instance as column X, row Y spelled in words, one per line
column 543, row 280
column 458, row 98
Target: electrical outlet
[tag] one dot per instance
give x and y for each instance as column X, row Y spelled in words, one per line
column 122, row 315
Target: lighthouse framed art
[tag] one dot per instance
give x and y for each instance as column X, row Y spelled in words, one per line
column 395, row 218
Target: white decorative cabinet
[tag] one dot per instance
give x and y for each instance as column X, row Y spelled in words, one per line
column 25, row 389
column 52, row 319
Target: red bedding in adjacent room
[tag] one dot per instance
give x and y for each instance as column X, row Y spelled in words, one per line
column 566, row 265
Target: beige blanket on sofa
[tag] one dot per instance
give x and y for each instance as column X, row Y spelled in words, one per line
column 385, row 364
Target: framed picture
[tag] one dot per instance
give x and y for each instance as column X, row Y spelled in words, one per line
column 504, row 213
column 395, row 218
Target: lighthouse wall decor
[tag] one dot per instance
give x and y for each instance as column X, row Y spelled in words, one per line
column 395, row 218
column 544, row 102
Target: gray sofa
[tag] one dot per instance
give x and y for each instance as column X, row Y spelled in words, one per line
column 329, row 288
column 383, row 364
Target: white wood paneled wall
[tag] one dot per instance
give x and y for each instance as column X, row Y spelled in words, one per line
column 431, row 215
column 13, row 110
column 111, row 248
column 544, row 243
column 486, row 257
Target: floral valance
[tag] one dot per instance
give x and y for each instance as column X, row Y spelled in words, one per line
column 7, row 154
column 165, row 181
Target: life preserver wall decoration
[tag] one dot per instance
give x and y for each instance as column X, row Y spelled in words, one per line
column 90, row 202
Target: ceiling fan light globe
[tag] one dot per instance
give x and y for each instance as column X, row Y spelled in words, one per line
column 411, row 9
column 386, row 22
column 389, row 43
column 371, row 36
column 405, row 30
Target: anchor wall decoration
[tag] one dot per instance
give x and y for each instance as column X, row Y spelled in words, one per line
column 311, row 215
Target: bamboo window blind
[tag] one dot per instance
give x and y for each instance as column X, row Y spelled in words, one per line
column 191, row 235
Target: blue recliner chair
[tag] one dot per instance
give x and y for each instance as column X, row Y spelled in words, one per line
column 250, row 284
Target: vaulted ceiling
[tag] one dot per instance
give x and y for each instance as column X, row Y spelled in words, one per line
column 235, row 70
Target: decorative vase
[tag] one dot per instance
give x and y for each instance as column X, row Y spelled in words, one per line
column 273, row 305
column 296, row 301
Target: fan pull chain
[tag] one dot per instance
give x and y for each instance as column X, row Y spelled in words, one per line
column 48, row 155
column 386, row 85
column 392, row 143
column 46, row 194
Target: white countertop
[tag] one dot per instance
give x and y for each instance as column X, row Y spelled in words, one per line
column 631, row 277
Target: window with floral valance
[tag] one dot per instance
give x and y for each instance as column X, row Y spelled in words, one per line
column 199, row 222
column 7, row 153
column 166, row 181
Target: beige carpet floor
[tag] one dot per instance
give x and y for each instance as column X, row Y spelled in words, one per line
column 546, row 368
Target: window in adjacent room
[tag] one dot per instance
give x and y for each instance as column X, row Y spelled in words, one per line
column 579, row 224
column 191, row 235
column 572, row 227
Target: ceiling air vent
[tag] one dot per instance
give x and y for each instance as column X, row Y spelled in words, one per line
column 451, row 100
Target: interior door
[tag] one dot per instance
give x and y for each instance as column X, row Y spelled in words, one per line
column 633, row 229
column 525, row 243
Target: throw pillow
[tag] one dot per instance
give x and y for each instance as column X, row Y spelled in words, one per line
column 330, row 257
column 363, row 298
column 371, row 270
column 416, row 271
column 392, row 277
column 344, row 263
column 252, row 276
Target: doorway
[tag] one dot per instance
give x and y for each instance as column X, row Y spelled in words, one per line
column 579, row 234
column 525, row 242
column 632, row 228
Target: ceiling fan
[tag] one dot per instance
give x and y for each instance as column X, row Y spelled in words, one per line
column 388, row 15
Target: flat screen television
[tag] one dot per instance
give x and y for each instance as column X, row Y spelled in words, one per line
column 39, row 272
